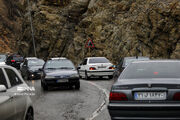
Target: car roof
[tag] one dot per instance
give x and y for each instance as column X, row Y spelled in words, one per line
column 154, row 61
column 134, row 57
column 94, row 57
column 58, row 58
column 28, row 58
column 7, row 66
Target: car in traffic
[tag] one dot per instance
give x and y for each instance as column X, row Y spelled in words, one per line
column 3, row 58
column 13, row 105
column 30, row 68
column 124, row 62
column 27, row 58
column 59, row 72
column 95, row 67
column 14, row 60
column 147, row 90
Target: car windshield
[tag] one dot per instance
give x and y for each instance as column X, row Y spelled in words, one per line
column 152, row 70
column 130, row 60
column 98, row 60
column 36, row 62
column 59, row 64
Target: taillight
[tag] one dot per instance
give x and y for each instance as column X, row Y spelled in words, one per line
column 176, row 96
column 92, row 68
column 112, row 68
column 12, row 60
column 117, row 96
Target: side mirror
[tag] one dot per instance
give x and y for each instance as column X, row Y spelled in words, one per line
column 3, row 88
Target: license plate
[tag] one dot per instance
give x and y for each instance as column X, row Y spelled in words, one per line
column 150, row 95
column 101, row 66
column 62, row 80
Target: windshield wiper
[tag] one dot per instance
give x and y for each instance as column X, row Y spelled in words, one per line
column 65, row 68
column 50, row 68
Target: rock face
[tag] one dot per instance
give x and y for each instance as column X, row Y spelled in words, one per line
column 118, row 28
column 11, row 12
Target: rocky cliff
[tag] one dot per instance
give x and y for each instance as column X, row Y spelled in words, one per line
column 118, row 28
column 11, row 12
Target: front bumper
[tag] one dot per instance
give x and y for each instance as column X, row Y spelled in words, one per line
column 34, row 75
column 144, row 111
column 53, row 82
column 100, row 73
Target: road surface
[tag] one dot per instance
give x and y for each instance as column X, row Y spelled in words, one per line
column 88, row 103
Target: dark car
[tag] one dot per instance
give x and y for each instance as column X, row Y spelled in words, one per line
column 147, row 90
column 59, row 72
column 124, row 62
column 14, row 60
column 30, row 68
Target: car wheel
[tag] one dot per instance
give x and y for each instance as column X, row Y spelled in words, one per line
column 110, row 76
column 86, row 76
column 45, row 87
column 77, row 86
column 30, row 114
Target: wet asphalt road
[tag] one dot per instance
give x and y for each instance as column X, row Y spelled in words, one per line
column 68, row 104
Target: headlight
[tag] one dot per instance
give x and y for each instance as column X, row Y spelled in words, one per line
column 49, row 77
column 74, row 75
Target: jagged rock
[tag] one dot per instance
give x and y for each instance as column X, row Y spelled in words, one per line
column 117, row 27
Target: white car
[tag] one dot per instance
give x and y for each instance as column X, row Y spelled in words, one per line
column 96, row 67
column 13, row 104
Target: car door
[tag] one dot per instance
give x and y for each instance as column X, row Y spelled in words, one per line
column 19, row 100
column 7, row 108
column 82, row 68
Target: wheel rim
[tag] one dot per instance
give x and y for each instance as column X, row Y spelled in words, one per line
column 29, row 115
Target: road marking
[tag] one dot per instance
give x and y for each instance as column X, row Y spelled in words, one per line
column 103, row 104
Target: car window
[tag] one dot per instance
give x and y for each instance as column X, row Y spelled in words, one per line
column 13, row 78
column 3, row 79
column 98, row 60
column 18, row 58
column 152, row 70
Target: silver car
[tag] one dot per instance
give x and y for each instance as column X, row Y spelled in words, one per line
column 147, row 90
column 13, row 104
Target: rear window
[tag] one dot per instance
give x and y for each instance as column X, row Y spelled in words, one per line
column 128, row 61
column 98, row 60
column 18, row 58
column 152, row 70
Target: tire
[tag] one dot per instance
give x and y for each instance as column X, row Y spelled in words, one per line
column 110, row 76
column 30, row 114
column 86, row 76
column 45, row 87
column 77, row 86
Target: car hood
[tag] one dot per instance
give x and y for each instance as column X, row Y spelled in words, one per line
column 60, row 72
